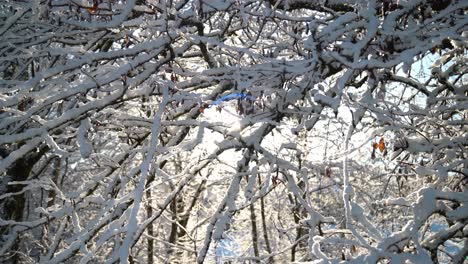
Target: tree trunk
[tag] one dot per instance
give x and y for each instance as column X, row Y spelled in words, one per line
column 253, row 220
column 149, row 213
column 265, row 230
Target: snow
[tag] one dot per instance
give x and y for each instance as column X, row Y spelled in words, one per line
column 86, row 147
column 226, row 248
column 119, row 125
column 53, row 145
column 423, row 171
column 252, row 179
column 132, row 225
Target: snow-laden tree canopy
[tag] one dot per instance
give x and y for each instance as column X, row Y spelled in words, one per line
column 346, row 140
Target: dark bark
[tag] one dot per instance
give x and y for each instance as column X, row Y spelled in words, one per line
column 173, row 234
column 253, row 221
column 265, row 230
column 12, row 208
column 149, row 213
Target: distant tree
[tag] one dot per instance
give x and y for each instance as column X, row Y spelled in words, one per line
column 343, row 136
